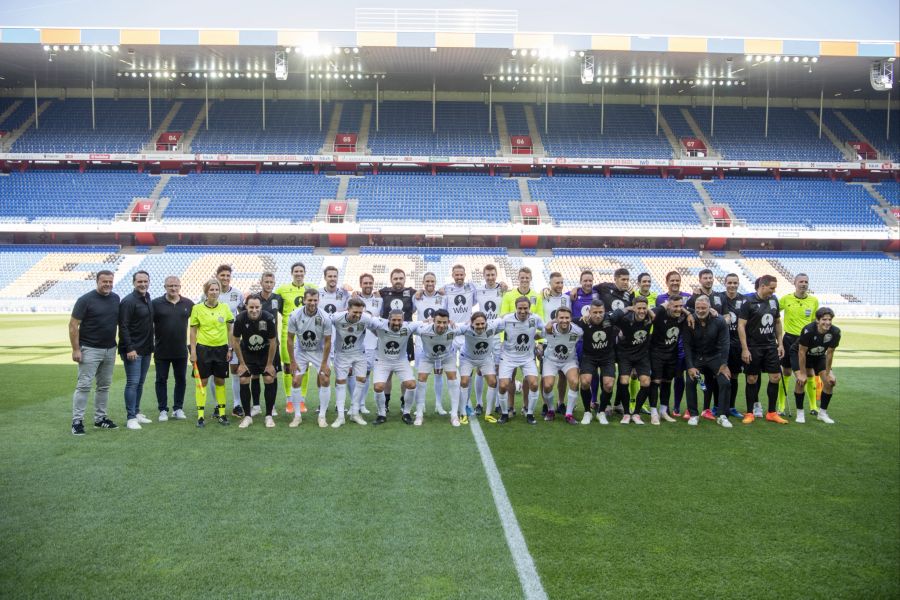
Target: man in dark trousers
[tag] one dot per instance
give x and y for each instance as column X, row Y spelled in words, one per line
column 92, row 333
column 706, row 348
column 171, row 313
column 136, row 345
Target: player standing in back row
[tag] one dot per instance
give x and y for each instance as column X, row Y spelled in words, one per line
column 292, row 298
column 799, row 311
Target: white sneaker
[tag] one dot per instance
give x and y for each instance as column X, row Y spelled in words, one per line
column 322, row 422
column 358, row 419
column 724, row 422
column 636, row 419
column 601, row 418
column 254, row 410
column 274, row 412
column 440, row 410
column 338, row 422
column 757, row 410
column 654, row 416
column 626, row 419
column 823, row 416
column 664, row 413
column 133, row 424
column 586, row 419
column 418, row 421
column 297, row 420
column 179, row 415
column 363, row 410
column 163, row 416
column 143, row 420
column 270, row 422
column 246, row 422
column 453, row 421
column 801, row 417
column 694, row 421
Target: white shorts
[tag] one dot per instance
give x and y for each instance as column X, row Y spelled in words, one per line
column 353, row 363
column 370, row 358
column 428, row 365
column 485, row 365
column 527, row 366
column 304, row 359
column 550, row 367
column 384, row 369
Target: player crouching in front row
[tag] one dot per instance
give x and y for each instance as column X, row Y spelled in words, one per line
column 812, row 354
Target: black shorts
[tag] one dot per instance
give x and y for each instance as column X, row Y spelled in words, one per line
column 735, row 364
column 256, row 362
column 788, row 341
column 663, row 365
column 816, row 363
column 763, row 360
column 212, row 361
column 589, row 365
column 640, row 364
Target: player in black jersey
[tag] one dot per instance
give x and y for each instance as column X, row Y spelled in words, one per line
column 760, row 332
column 598, row 358
column 397, row 297
column 813, row 354
column 252, row 340
column 664, row 342
column 272, row 303
column 632, row 354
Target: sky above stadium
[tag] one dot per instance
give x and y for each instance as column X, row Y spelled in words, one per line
column 824, row 19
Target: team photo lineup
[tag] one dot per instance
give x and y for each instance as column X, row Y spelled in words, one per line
column 612, row 345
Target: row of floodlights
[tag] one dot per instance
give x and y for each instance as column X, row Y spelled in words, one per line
column 345, row 76
column 775, row 58
column 204, row 75
column 77, row 48
column 638, row 80
column 555, row 52
column 319, row 50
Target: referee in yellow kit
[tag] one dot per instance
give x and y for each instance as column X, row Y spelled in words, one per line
column 799, row 310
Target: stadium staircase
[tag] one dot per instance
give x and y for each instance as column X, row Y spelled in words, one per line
column 702, row 208
column 14, row 135
column 884, row 208
column 698, row 133
column 827, row 132
column 664, row 125
column 333, row 126
column 537, row 143
column 502, row 131
column 164, row 124
column 9, row 110
column 515, row 213
column 856, row 132
column 340, row 196
column 365, row 124
column 191, row 133
column 730, row 264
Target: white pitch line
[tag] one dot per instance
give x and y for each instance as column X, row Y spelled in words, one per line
column 528, row 575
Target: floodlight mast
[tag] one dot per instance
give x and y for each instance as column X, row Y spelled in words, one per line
column 281, row 69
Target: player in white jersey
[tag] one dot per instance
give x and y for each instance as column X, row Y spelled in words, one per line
column 560, row 356
column 489, row 298
column 521, row 328
column 437, row 356
column 373, row 308
column 426, row 302
column 309, row 336
column 350, row 358
column 392, row 335
column 554, row 299
column 234, row 299
column 459, row 300
column 332, row 300
column 477, row 354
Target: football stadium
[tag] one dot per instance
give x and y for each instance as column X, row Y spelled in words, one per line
column 431, row 300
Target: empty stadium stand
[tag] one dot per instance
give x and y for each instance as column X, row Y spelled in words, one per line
column 461, row 130
column 629, row 132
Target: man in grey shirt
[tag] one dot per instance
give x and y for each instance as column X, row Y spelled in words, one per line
column 92, row 333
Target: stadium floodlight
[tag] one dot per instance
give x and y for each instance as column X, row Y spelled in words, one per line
column 748, row 58
column 76, row 48
column 95, row 48
column 759, row 58
column 881, row 75
column 104, row 48
column 355, row 50
column 815, row 59
column 805, row 59
column 46, row 48
column 56, row 48
column 281, row 69
column 777, row 59
column 514, row 52
column 115, row 48
column 587, row 69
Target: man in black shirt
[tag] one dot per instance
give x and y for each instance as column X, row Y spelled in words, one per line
column 136, row 345
column 728, row 304
column 253, row 338
column 598, row 356
column 812, row 354
column 616, row 295
column 92, row 334
column 632, row 353
column 272, row 304
column 171, row 313
column 398, row 297
column 706, row 347
column 760, row 332
column 664, row 342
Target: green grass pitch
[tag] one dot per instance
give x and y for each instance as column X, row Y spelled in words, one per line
column 761, row 511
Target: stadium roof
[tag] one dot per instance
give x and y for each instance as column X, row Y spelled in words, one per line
column 451, row 69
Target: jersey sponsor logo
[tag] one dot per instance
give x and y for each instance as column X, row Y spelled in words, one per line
column 522, row 343
column 298, row 300
column 618, row 305
column 639, row 337
column 773, row 304
column 440, row 349
column 490, row 307
column 309, row 336
column 767, row 323
column 585, row 310
column 522, row 339
column 459, row 300
column 349, row 342
column 330, row 309
column 599, row 336
column 671, row 335
column 817, row 351
column 553, row 314
column 561, row 351
column 396, row 304
column 256, row 342
column 827, row 338
column 481, row 347
column 429, row 313
column 392, row 348
column 734, row 321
